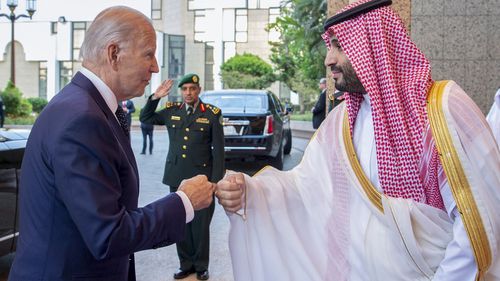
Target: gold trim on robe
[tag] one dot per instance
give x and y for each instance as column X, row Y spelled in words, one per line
column 373, row 194
column 457, row 179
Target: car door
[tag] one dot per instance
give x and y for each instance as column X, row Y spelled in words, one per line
column 278, row 114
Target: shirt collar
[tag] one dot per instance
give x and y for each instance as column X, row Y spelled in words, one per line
column 194, row 106
column 106, row 93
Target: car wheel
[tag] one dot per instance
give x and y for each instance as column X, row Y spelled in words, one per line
column 288, row 145
column 277, row 162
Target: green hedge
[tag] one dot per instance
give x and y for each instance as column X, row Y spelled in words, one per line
column 38, row 104
column 15, row 104
column 301, row 117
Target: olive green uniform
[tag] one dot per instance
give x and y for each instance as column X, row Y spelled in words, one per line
column 196, row 147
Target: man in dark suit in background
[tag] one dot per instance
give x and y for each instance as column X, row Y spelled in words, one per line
column 129, row 108
column 196, row 147
column 335, row 99
column 79, row 182
column 319, row 109
column 147, row 131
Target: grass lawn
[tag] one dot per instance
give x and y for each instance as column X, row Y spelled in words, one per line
column 301, row 117
column 28, row 120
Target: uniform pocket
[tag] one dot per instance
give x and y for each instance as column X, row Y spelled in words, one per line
column 200, row 133
column 174, row 124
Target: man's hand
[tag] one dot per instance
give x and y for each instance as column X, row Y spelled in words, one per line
column 163, row 90
column 199, row 191
column 230, row 191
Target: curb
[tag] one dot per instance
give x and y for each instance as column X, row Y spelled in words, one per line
column 302, row 129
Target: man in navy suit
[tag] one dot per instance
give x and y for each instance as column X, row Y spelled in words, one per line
column 79, row 218
column 129, row 108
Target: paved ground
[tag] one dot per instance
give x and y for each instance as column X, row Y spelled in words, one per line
column 159, row 264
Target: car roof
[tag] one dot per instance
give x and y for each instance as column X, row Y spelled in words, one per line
column 12, row 145
column 236, row 92
column 13, row 139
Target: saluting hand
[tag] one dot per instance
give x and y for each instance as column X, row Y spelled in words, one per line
column 163, row 90
column 199, row 191
column 230, row 191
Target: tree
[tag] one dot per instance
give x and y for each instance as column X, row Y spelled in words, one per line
column 246, row 71
column 298, row 56
column 15, row 104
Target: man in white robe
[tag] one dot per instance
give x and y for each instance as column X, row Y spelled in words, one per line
column 401, row 182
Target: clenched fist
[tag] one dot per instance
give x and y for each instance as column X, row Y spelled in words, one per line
column 230, row 191
column 199, row 191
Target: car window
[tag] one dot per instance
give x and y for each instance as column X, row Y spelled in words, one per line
column 277, row 103
column 237, row 103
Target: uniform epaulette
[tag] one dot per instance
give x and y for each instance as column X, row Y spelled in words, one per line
column 214, row 109
column 169, row 104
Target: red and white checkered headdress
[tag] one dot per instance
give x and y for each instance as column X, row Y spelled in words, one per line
column 397, row 77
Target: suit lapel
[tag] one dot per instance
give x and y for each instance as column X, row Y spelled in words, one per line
column 117, row 131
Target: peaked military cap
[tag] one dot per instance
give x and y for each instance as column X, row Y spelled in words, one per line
column 189, row 78
column 356, row 11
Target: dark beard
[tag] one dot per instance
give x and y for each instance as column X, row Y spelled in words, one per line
column 350, row 82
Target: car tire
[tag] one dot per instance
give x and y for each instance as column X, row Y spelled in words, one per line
column 277, row 162
column 288, row 145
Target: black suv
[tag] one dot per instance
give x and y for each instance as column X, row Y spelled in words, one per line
column 12, row 144
column 256, row 124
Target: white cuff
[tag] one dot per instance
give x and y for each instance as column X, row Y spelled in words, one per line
column 187, row 205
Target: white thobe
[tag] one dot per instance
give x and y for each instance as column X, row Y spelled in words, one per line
column 493, row 117
column 458, row 264
column 316, row 222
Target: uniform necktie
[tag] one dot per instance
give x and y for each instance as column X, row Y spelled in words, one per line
column 189, row 110
column 122, row 119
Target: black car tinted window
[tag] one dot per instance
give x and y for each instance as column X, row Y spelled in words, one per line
column 277, row 103
column 236, row 103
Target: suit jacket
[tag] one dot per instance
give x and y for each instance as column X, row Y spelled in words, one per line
column 335, row 99
column 196, row 140
column 319, row 110
column 79, row 188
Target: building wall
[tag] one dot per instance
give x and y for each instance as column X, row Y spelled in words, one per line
column 41, row 45
column 257, row 35
column 37, row 43
column 25, row 71
column 257, row 43
column 466, row 47
column 175, row 17
column 177, row 20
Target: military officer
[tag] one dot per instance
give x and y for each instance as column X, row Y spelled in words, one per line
column 196, row 147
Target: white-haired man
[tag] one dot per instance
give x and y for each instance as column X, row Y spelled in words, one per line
column 79, row 190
